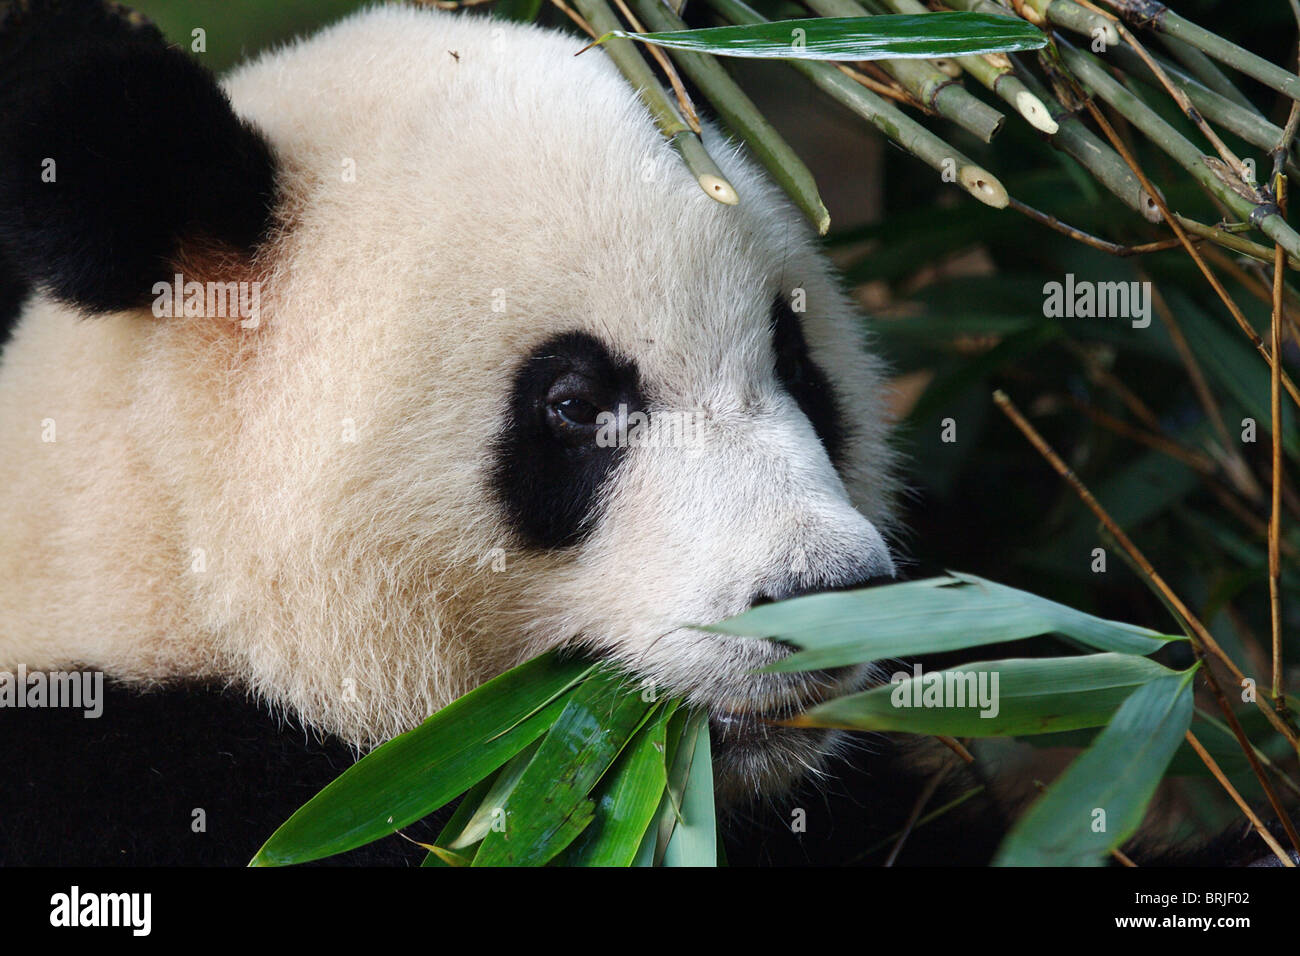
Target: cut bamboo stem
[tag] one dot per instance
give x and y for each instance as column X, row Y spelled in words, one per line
column 891, row 121
column 1072, row 17
column 999, row 78
column 686, row 141
column 1077, row 141
column 742, row 117
column 931, row 86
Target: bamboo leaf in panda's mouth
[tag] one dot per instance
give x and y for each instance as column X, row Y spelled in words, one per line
column 854, row 38
column 924, row 617
column 995, row 698
column 427, row 767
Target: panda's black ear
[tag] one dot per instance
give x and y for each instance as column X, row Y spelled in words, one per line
column 117, row 152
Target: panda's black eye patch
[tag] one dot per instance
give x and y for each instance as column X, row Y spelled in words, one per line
column 805, row 381
column 547, row 464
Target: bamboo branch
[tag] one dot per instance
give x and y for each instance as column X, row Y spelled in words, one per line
column 900, row 128
column 1179, row 97
column 1246, row 123
column 686, row 141
column 999, row 78
column 1260, row 213
column 743, row 118
column 929, row 85
column 1077, row 141
column 1205, row 70
column 1160, row 19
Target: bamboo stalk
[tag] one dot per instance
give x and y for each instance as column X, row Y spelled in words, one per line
column 1261, row 214
column 891, row 121
column 929, row 85
column 1071, row 16
column 1238, row 316
column 1063, row 13
column 742, row 117
column 1205, row 70
column 999, row 79
column 686, row 141
column 1246, row 123
column 1179, row 97
column 1160, row 19
column 1075, row 140
column 1232, row 241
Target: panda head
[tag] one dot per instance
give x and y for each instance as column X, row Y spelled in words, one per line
column 515, row 382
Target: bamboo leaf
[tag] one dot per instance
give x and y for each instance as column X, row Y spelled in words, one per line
column 694, row 839
column 1117, row 775
column 853, row 38
column 924, row 617
column 549, row 806
column 627, row 799
column 994, row 698
column 418, row 772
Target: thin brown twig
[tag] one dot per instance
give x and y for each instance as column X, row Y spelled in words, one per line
column 1258, row 824
column 576, row 17
column 1199, row 638
column 1105, row 245
column 1233, row 308
column 1256, row 284
column 1275, row 514
column 922, row 799
column 1199, row 461
column 955, row 745
column 887, row 89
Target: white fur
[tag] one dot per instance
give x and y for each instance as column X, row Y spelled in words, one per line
column 511, row 171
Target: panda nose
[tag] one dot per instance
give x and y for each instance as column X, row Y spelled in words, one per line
column 793, row 589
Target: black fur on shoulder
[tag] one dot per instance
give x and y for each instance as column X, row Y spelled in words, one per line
column 123, row 788
column 115, row 148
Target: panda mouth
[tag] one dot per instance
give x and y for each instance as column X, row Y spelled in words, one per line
column 757, row 723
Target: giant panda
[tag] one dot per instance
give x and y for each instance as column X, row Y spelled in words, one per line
column 288, row 534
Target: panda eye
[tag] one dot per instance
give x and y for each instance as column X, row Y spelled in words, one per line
column 572, row 409
column 575, row 412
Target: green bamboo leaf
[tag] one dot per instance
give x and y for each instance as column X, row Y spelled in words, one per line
column 416, row 773
column 853, row 38
column 464, row 810
column 503, row 784
column 1014, row 696
column 627, row 799
column 1117, row 775
column 549, row 806
column 693, row 839
column 924, row 617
